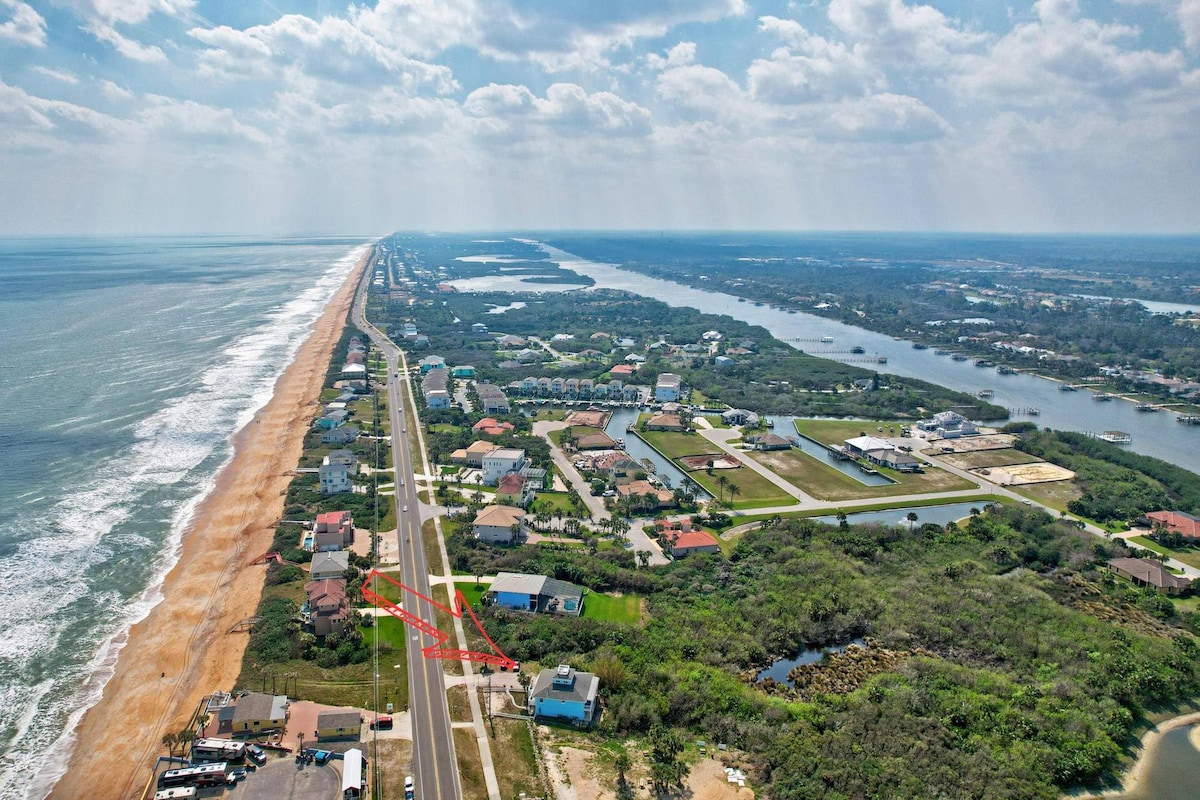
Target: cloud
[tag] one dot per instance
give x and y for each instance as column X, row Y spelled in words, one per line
column 1186, row 14
column 131, row 12
column 890, row 118
column 114, row 92
column 331, row 49
column 133, row 50
column 61, row 76
column 29, row 121
column 810, row 68
column 565, row 106
column 24, row 26
column 901, row 36
column 187, row 119
column 680, row 55
column 1063, row 59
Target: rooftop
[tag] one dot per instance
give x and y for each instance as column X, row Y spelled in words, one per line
column 499, row 516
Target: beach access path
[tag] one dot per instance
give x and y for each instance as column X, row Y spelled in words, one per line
column 182, row 650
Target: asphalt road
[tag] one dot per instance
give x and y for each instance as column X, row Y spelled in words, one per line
column 435, row 766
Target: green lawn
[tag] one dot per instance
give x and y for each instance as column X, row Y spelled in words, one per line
column 1188, row 555
column 674, row 445
column 444, row 427
column 836, row 431
column 552, row 414
column 755, row 491
column 716, row 421
column 553, row 501
column 809, row 473
column 626, row 609
column 393, row 633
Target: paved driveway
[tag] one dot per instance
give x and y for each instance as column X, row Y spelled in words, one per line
column 281, row 779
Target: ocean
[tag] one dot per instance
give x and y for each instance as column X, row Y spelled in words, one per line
column 128, row 365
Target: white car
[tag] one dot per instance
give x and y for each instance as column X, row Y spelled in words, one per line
column 404, row 509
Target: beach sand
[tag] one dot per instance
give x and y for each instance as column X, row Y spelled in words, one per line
column 1132, row 777
column 210, row 589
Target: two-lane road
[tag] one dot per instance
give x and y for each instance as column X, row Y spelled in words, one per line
column 434, row 762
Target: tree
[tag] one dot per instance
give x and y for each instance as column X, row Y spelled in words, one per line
column 170, row 740
column 643, row 557
column 734, row 491
column 843, row 521
column 912, row 518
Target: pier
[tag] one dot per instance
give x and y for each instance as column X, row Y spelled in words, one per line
column 1112, row 437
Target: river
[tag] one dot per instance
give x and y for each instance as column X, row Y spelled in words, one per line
column 1157, row 435
column 1171, row 770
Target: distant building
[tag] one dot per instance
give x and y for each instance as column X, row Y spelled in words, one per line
column 501, row 461
column 476, row 451
column 667, row 387
column 513, row 490
column 662, row 498
column 565, row 694
column 723, row 361
column 329, row 565
column 490, row 427
column 257, row 712
column 1185, row 525
column 684, row 543
column 740, row 416
column 336, row 472
column 431, row 362
column 463, row 371
column 1143, row 572
column 327, row 605
column 536, row 594
column 341, row 435
column 769, row 441
column 949, row 425
column 499, row 524
column 665, row 422
column 333, row 530
column 341, row 724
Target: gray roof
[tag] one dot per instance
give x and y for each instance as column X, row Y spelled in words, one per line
column 323, row 562
column 339, row 719
column 586, row 685
column 257, row 705
column 1150, row 572
column 518, row 583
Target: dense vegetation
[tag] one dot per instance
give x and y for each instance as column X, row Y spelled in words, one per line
column 897, row 285
column 1117, row 485
column 775, row 378
column 978, row 706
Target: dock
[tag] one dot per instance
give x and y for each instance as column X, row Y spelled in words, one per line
column 1190, row 419
column 1112, row 437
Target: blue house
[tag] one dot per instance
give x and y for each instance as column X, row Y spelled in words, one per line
column 563, row 693
column 536, row 594
column 464, row 371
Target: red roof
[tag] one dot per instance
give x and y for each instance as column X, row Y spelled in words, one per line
column 622, row 369
column 1185, row 524
column 688, row 540
column 332, row 517
column 510, row 483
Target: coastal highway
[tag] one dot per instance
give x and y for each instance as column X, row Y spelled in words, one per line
column 435, row 766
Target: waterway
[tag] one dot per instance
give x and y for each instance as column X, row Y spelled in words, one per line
column 1153, row 434
column 780, row 669
column 1172, row 769
column 786, row 427
column 638, row 449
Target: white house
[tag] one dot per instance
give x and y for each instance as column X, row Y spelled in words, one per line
column 336, row 472
column 949, row 425
column 667, row 387
column 502, row 461
column 496, row 524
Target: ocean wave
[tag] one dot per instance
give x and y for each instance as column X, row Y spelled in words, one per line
column 130, row 517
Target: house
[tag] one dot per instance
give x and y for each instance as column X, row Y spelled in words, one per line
column 599, row 440
column 1185, row 525
column 509, row 340
column 327, row 607
column 341, row 724
column 342, row 434
column 479, row 329
column 492, row 398
column 536, row 594
column 894, row 459
column 535, row 477
column 667, row 387
column 331, row 420
column 723, row 361
column 476, row 451
column 490, row 427
column 333, row 530
column 664, row 422
column 257, row 712
column 949, row 425
column 513, row 490
column 500, row 461
column 463, row 371
column 740, row 416
column 421, row 341
column 1144, row 572
column 499, row 524
column 564, row 693
column 684, row 543
column 435, row 387
column 352, row 370
column 329, row 565
column 623, row 370
column 619, row 467
column 431, row 362
column 860, row 446
column 769, row 441
column 662, row 498
column 336, row 472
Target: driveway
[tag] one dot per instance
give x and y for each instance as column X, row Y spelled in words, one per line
column 594, row 504
column 281, row 779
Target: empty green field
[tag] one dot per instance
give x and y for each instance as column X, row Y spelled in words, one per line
column 824, row 482
column 836, row 431
column 626, row 609
column 754, row 491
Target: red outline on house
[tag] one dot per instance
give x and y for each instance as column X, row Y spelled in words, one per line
column 436, row 650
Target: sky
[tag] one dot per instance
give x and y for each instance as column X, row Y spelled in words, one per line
column 268, row 117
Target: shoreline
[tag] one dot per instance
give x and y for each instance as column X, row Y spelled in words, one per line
column 210, row 587
column 1132, row 777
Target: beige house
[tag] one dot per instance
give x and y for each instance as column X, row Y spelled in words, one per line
column 499, row 524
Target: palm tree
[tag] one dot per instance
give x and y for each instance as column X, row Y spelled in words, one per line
column 734, row 491
column 170, row 740
column 911, row 517
column 722, row 482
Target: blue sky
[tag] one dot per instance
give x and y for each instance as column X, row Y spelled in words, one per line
column 178, row 116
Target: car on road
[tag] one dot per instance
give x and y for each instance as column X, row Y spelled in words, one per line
column 404, row 509
column 236, row 775
column 408, row 787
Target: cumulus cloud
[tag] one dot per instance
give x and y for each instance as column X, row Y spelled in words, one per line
column 810, row 68
column 889, row 118
column 680, row 55
column 897, row 34
column 565, row 106
column 131, row 49
column 24, row 25
column 131, row 12
column 60, row 75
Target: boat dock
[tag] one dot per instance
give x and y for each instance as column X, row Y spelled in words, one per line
column 1112, row 437
column 1190, row 419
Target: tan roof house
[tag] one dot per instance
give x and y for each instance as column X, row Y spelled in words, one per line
column 499, row 524
column 1144, row 572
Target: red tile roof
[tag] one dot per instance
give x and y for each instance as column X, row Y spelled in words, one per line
column 1185, row 524
column 689, row 540
column 334, row 518
column 623, row 369
column 510, row 484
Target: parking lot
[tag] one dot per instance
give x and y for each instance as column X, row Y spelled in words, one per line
column 281, row 779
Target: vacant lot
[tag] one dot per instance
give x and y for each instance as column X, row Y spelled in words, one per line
column 811, row 475
column 1022, row 474
column 836, row 431
column 625, row 609
column 674, row 445
column 987, row 458
column 512, row 753
column 1056, row 495
column 754, row 491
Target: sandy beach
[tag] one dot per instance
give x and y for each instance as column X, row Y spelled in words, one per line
column 1132, row 777
column 182, row 650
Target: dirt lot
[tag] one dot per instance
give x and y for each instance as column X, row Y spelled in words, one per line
column 719, row 461
column 588, row 419
column 593, row 777
column 1023, row 474
column 987, row 458
column 971, row 444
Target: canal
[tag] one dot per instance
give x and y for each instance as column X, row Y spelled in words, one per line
column 1153, row 434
